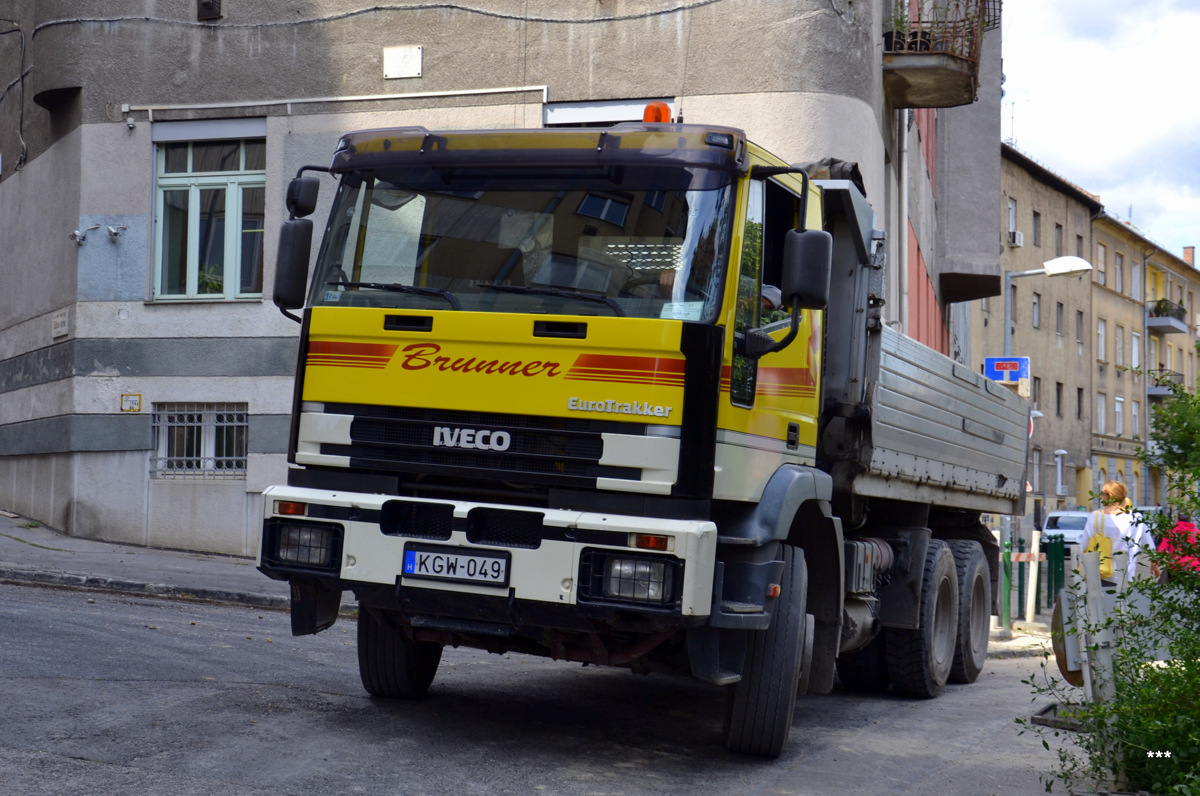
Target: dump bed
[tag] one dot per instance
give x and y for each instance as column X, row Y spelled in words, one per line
column 900, row 420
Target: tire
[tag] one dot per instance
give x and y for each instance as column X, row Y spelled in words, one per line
column 389, row 664
column 865, row 670
column 919, row 661
column 974, row 611
column 763, row 703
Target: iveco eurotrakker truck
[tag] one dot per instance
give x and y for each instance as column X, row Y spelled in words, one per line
column 542, row 407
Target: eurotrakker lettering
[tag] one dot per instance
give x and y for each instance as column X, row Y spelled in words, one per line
column 615, row 407
column 475, row 438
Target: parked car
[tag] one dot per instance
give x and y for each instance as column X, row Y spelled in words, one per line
column 1068, row 523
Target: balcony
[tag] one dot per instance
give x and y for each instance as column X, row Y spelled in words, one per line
column 1161, row 381
column 931, row 55
column 1166, row 317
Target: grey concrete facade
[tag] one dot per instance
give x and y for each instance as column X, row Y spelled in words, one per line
column 95, row 93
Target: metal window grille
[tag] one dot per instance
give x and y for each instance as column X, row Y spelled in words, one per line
column 204, row 441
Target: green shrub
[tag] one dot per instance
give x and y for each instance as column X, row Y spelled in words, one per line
column 1155, row 627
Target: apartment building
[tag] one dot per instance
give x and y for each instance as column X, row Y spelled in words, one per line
column 1172, row 284
column 1102, row 347
column 1043, row 216
column 145, row 376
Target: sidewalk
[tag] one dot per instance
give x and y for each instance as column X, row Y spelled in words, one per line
column 37, row 555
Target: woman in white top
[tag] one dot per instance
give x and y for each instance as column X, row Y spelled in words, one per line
column 1112, row 499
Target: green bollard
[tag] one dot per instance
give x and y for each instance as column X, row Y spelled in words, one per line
column 1006, row 587
column 1020, row 575
column 1057, row 556
column 1037, row 587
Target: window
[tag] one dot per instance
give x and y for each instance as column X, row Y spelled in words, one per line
column 1101, row 351
column 1101, row 264
column 1037, row 310
column 1058, row 318
column 1101, row 412
column 1078, row 245
column 1058, row 399
column 1037, row 392
column 210, row 200
column 1079, row 403
column 193, row 440
column 1135, row 411
column 1119, row 346
column 1036, row 471
column 1118, row 272
column 1012, row 302
column 1118, row 416
column 1058, row 240
column 1012, row 217
column 1135, row 350
column 604, row 208
column 1135, row 280
column 1037, row 228
column 1079, row 326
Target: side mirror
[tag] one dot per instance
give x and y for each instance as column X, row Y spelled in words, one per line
column 807, row 263
column 291, row 263
column 302, row 196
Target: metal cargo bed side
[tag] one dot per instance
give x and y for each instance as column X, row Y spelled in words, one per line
column 942, row 434
column 899, row 420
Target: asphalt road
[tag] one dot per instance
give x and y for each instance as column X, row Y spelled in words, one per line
column 108, row 694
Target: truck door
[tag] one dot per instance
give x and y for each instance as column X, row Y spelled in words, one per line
column 770, row 413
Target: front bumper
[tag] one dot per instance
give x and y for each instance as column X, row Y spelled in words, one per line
column 555, row 557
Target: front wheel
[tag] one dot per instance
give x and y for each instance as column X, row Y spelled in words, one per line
column 389, row 664
column 764, row 702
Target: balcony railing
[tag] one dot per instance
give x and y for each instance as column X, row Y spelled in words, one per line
column 931, row 51
column 1161, row 381
column 1166, row 317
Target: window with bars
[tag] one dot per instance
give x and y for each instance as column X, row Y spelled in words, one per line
column 195, row 440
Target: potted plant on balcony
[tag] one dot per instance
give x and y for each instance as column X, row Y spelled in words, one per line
column 895, row 28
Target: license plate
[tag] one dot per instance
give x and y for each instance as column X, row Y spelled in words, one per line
column 456, row 565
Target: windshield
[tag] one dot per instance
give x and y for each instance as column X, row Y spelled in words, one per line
column 530, row 241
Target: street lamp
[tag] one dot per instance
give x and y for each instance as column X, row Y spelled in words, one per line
column 1059, row 266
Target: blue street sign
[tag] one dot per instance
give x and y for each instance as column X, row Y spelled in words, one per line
column 1011, row 369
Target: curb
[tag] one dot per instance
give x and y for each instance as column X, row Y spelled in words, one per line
column 115, row 585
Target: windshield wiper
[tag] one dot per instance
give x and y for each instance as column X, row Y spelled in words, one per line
column 553, row 291
column 398, row 288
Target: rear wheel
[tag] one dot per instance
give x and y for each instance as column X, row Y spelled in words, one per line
column 919, row 661
column 974, row 611
column 763, row 703
column 389, row 664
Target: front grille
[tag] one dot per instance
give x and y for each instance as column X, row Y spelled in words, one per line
column 417, row 520
column 531, row 449
column 505, row 527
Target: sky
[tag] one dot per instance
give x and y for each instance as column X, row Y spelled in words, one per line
column 1106, row 94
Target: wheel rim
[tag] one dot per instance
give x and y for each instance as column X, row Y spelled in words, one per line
column 943, row 626
column 980, row 616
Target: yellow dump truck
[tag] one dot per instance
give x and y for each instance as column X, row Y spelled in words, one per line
column 625, row 396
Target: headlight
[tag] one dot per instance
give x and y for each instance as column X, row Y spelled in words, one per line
column 637, row 579
column 302, row 544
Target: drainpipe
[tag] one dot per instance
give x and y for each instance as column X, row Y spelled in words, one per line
column 1143, row 484
column 902, row 237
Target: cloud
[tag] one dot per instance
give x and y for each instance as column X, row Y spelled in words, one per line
column 1097, row 91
